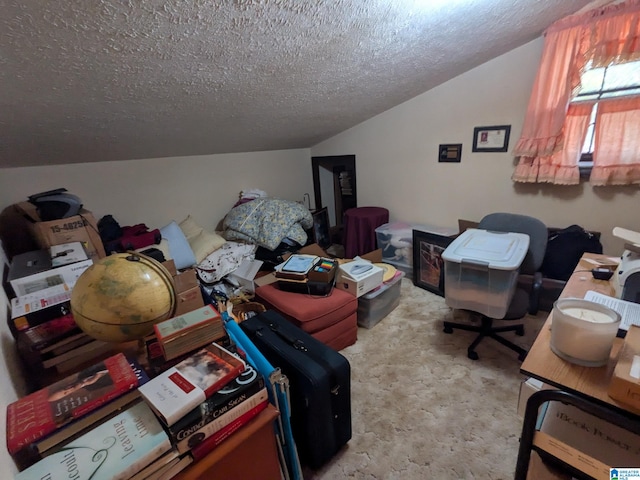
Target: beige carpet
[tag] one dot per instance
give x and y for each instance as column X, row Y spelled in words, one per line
column 420, row 408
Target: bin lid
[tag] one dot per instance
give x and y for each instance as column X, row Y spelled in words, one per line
column 501, row 250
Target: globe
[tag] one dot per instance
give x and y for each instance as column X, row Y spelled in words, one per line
column 121, row 297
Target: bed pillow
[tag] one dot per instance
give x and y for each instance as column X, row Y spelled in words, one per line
column 179, row 247
column 190, row 227
column 205, row 243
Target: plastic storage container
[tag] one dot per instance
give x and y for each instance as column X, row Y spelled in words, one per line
column 377, row 304
column 481, row 270
column 396, row 241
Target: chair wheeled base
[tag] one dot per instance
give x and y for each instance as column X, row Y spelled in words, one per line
column 486, row 329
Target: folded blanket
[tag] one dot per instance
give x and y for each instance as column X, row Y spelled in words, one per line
column 266, row 222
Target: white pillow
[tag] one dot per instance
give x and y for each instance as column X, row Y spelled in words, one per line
column 205, row 243
column 201, row 241
column 190, row 227
column 179, row 247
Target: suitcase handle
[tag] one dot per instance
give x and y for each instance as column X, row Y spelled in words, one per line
column 294, row 342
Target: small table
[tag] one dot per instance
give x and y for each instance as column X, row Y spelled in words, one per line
column 360, row 225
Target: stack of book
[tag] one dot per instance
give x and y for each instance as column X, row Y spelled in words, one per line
column 184, row 333
column 198, row 400
column 47, row 338
column 44, row 421
column 205, row 398
column 120, row 448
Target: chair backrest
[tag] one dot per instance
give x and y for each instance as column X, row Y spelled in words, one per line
column 513, row 222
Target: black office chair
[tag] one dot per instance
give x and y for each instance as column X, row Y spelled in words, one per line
column 522, row 301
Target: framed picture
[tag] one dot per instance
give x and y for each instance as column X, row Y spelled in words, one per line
column 320, row 229
column 451, row 152
column 491, row 139
column 428, row 265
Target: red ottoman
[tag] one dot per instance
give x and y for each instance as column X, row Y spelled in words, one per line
column 332, row 319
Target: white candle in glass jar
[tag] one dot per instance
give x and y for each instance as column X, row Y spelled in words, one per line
column 582, row 332
column 588, row 315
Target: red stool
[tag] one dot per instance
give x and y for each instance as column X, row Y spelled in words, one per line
column 332, row 319
column 360, row 229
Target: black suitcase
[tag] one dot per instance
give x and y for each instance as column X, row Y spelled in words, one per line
column 320, row 385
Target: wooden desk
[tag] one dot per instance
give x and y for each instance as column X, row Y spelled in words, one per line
column 546, row 366
column 583, row 387
column 249, row 454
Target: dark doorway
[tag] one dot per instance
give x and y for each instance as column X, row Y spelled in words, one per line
column 334, row 187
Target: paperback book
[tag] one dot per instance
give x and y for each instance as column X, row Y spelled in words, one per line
column 256, row 401
column 185, row 333
column 247, row 384
column 40, row 413
column 114, row 450
column 181, row 388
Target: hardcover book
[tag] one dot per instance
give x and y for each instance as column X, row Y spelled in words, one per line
column 155, row 356
column 248, row 383
column 203, row 449
column 189, row 331
column 114, row 450
column 257, row 400
column 71, row 431
column 40, row 413
column 181, row 388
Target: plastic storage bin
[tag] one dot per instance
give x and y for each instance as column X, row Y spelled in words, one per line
column 377, row 304
column 396, row 241
column 481, row 270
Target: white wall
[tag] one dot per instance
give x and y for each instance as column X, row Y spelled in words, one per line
column 397, row 157
column 158, row 190
column 151, row 191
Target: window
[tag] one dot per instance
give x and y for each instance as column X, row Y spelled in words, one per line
column 597, row 52
column 597, row 85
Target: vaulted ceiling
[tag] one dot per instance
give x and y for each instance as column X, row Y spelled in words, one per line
column 99, row 80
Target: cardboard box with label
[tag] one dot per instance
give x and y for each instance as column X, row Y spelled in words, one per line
column 625, row 381
column 78, row 228
column 584, row 441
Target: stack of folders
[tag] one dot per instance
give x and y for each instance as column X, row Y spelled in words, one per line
column 187, row 332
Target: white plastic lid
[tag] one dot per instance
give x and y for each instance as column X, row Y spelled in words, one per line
column 501, row 251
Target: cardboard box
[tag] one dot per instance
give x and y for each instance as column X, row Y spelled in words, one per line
column 79, row 228
column 527, row 388
column 244, row 275
column 67, row 253
column 185, row 280
column 625, row 381
column 189, row 300
column 588, row 443
column 357, row 284
column 66, row 274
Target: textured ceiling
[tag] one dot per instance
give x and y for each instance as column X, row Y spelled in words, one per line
column 97, row 80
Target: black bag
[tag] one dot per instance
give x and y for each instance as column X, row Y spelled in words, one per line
column 564, row 250
column 320, row 385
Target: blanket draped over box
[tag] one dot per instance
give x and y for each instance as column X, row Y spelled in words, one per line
column 267, row 222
